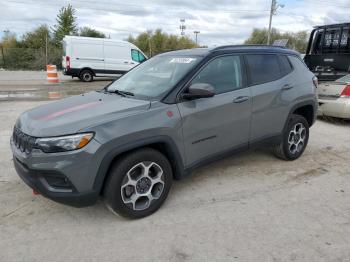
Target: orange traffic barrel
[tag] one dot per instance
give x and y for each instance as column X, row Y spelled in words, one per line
column 52, row 76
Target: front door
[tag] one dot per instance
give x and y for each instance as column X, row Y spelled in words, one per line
column 220, row 123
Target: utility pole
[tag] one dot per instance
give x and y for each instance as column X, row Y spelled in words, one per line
column 196, row 33
column 274, row 7
column 150, row 47
column 46, row 50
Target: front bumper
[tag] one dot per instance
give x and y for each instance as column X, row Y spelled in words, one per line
column 339, row 107
column 56, row 176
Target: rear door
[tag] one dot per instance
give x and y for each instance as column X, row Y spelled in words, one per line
column 87, row 53
column 270, row 86
column 220, row 123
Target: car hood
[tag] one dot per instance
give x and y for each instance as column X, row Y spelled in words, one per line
column 70, row 115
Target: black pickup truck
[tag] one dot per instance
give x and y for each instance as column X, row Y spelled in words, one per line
column 328, row 51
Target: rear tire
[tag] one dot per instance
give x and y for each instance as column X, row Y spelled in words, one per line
column 86, row 75
column 138, row 183
column 294, row 139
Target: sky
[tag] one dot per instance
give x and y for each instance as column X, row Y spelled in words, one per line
column 219, row 21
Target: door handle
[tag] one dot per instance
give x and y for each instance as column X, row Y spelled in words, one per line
column 287, row 87
column 240, row 99
column 126, row 62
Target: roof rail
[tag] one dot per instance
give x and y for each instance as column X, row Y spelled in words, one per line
column 240, row 46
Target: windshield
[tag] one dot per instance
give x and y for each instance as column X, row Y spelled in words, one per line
column 155, row 77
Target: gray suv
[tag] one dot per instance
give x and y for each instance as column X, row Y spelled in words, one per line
column 166, row 117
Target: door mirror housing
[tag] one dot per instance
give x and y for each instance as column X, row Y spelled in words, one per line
column 198, row 90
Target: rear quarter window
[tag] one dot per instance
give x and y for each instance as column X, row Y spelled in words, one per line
column 263, row 68
column 286, row 66
column 298, row 63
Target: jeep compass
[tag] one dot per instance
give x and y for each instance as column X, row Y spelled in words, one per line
column 169, row 115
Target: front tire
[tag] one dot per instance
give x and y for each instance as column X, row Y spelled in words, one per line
column 138, row 183
column 294, row 139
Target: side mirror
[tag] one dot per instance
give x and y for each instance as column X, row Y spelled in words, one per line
column 199, row 90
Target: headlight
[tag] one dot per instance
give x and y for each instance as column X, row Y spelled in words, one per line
column 63, row 143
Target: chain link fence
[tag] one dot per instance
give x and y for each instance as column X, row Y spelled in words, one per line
column 29, row 58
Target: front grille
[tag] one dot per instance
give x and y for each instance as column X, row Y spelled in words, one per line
column 22, row 141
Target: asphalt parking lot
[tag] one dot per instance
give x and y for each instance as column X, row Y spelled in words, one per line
column 250, row 207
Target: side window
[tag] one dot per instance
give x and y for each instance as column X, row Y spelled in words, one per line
column 137, row 56
column 223, row 73
column 286, row 66
column 263, row 68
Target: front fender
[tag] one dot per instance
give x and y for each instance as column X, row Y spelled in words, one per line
column 109, row 157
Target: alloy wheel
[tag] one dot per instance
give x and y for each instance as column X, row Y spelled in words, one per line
column 296, row 138
column 142, row 184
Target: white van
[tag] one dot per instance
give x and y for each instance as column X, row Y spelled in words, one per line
column 86, row 57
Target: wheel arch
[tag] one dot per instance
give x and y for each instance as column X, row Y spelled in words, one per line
column 163, row 144
column 87, row 68
column 306, row 109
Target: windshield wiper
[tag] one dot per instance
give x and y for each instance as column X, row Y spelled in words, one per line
column 122, row 93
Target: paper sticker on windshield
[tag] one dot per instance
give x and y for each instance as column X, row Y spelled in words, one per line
column 182, row 60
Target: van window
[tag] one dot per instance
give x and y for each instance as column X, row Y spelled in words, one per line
column 223, row 73
column 137, row 56
column 263, row 68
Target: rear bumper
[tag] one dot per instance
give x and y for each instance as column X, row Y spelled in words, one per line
column 71, row 71
column 37, row 180
column 334, row 107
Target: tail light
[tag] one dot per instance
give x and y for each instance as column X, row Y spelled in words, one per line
column 346, row 91
column 315, row 81
column 67, row 62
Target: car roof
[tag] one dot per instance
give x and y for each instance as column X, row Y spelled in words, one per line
column 232, row 49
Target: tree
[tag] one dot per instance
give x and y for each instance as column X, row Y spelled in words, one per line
column 37, row 38
column 297, row 41
column 9, row 40
column 66, row 23
column 89, row 32
column 152, row 43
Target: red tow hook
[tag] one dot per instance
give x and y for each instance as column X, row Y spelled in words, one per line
column 35, row 192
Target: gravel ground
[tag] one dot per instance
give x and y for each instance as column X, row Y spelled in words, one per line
column 250, row 207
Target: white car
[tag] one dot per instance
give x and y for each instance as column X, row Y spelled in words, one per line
column 86, row 57
column 334, row 98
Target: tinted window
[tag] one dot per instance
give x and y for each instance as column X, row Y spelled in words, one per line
column 223, row 73
column 286, row 66
column 263, row 68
